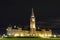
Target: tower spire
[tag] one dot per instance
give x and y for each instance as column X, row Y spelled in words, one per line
column 32, row 13
column 32, row 20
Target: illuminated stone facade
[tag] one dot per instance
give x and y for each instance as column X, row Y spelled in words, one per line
column 33, row 33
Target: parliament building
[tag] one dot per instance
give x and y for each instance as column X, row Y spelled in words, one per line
column 32, row 33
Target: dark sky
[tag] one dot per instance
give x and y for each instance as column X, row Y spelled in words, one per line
column 19, row 12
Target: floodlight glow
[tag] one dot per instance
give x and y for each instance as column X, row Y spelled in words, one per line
column 22, row 35
column 54, row 35
column 41, row 35
column 16, row 35
column 33, row 34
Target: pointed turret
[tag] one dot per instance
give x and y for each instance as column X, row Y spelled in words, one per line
column 32, row 13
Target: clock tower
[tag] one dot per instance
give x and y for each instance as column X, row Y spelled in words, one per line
column 32, row 23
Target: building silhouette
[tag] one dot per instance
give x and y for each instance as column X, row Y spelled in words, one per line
column 32, row 33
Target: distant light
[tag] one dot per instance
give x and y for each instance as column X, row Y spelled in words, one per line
column 14, row 26
column 7, row 29
column 54, row 35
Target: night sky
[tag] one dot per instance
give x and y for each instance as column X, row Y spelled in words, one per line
column 47, row 13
